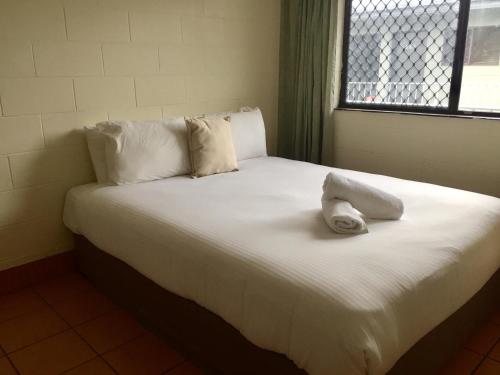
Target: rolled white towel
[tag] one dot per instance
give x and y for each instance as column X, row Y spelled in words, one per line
column 373, row 202
column 342, row 217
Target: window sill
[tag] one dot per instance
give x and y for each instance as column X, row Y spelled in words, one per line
column 493, row 116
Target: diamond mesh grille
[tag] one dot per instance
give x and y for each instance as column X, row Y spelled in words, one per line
column 401, row 52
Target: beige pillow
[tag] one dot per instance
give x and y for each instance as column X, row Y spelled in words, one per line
column 211, row 146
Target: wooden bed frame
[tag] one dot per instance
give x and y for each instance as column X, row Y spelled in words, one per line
column 224, row 350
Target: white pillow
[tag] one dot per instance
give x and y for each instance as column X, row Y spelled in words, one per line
column 249, row 134
column 138, row 151
column 96, row 144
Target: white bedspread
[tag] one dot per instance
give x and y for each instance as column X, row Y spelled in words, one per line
column 252, row 247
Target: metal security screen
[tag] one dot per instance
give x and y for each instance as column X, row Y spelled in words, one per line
column 433, row 56
column 399, row 51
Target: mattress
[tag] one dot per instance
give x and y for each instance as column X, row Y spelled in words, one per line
column 252, row 247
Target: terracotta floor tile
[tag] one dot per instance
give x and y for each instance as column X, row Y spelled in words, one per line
column 53, row 355
column 94, row 367
column 463, row 363
column 29, row 328
column 6, row 368
column 495, row 353
column 63, row 287
column 110, row 330
column 15, row 304
column 83, row 306
column 146, row 355
column 187, row 368
column 488, row 367
column 485, row 339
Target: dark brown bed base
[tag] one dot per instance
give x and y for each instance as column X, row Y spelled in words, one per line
column 221, row 347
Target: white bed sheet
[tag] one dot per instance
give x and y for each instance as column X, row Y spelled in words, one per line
column 252, row 247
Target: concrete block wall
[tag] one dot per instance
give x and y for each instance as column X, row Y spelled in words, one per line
column 65, row 64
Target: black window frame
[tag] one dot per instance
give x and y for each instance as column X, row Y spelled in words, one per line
column 456, row 77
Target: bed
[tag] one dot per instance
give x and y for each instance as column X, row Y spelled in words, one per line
column 251, row 249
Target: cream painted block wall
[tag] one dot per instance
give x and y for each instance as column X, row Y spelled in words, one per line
column 66, row 64
column 457, row 152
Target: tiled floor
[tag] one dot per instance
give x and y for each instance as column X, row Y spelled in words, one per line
column 481, row 354
column 66, row 327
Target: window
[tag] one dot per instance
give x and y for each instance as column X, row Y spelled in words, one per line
column 482, row 46
column 438, row 56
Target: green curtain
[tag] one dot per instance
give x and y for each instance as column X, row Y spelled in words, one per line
column 303, row 82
